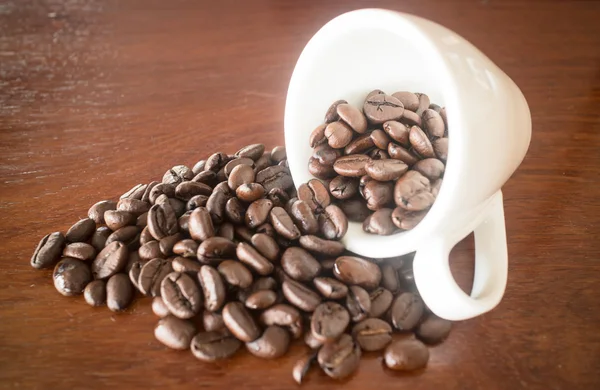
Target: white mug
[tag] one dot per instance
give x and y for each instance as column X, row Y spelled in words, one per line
column 489, row 133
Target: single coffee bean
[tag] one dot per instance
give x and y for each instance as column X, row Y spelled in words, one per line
column 261, row 299
column 355, row 209
column 342, row 187
column 381, row 300
column 412, row 192
column 304, row 217
column 330, row 288
column 332, row 115
column 431, row 168
column 406, row 355
column 216, row 205
column 285, row 316
column 145, row 236
column 352, row 117
column 278, row 154
column 216, row 161
column 338, row 134
column 241, row 174
column 411, row 118
column 357, row 146
column 205, row 177
column 111, row 260
column 312, row 342
column 186, row 248
column 340, row 359
column 249, row 192
column 266, row 228
column 389, row 278
column 253, row 151
column 152, row 275
column 382, row 108
column 174, row 332
column 302, row 366
column 263, row 162
column 187, row 265
column 275, row 177
column 320, row 246
column 214, row 346
column 177, row 174
column 142, row 220
column 128, row 235
column 99, row 238
column 119, row 292
column 188, row 189
column 200, row 224
column 440, row 147
column 372, row 334
column 433, row 330
column 424, row 103
column 380, row 222
column 243, row 233
column 80, row 251
column 406, row 311
column 235, row 210
column 407, row 220
column 283, row 224
column 320, row 171
column 258, row 212
column 134, row 273
column 378, row 154
column 380, row 139
column 326, row 155
column 386, row 170
column 299, row 264
column 315, row 194
column 397, row 152
column 133, row 206
column 235, row 273
column 147, row 190
column 150, row 251
column 235, row 162
column 433, row 124
column 333, row 223
column 71, row 276
column 329, row 321
column 81, row 231
column 266, row 245
column 116, row 219
column 95, row 293
column 181, row 295
column 250, row 256
column 213, row 288
column 161, row 189
column 378, row 194
column 213, row 321
column 300, row 296
column 96, row 212
column 358, row 303
column 399, row 132
column 420, row 142
column 273, row 343
column 215, row 249
column 159, row 308
column 352, row 165
column 227, row 230
column 409, row 100
column 239, row 322
column 162, row 221
column 48, row 250
column 317, row 136
column 356, row 270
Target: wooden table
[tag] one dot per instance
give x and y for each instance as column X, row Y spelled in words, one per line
column 96, row 96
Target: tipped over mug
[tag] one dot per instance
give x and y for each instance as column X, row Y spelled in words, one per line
column 489, row 132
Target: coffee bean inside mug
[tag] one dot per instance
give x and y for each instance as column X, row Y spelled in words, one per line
column 396, row 144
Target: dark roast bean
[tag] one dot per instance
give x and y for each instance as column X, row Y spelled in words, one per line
column 352, row 117
column 205, row 177
column 406, row 311
column 99, row 237
column 186, row 248
column 237, row 161
column 380, row 139
column 132, row 259
column 412, row 192
column 433, row 123
column 285, row 316
column 326, row 155
column 263, row 162
column 152, row 275
column 273, row 343
column 278, row 196
column 188, row 189
column 243, row 233
column 213, row 288
column 304, row 217
column 133, row 206
column 80, row 251
column 150, row 251
column 162, row 221
column 342, row 187
column 266, row 228
column 380, row 222
column 317, row 136
column 312, row 342
column 315, row 194
column 386, row 170
column 333, row 223
column 420, row 142
column 96, row 212
column 407, row 220
column 397, row 152
column 302, row 366
column 216, row 161
column 187, row 265
column 397, row 131
column 181, row 295
column 95, row 293
column 378, row 154
column 161, row 189
column 320, row 171
column 329, row 321
column 381, row 300
column 434, row 329
column 359, row 145
column 213, row 321
column 227, row 230
column 235, row 273
column 358, row 303
column 331, row 115
column 258, row 212
column 119, row 292
column 411, row 118
column 71, row 276
column 409, row 100
column 300, row 296
column 215, row 249
column 431, row 168
column 174, row 332
column 440, row 147
column 48, row 250
column 265, row 283
column 318, row 245
column 299, row 264
column 81, row 231
column 216, row 205
column 128, row 235
column 338, row 134
column 159, row 308
column 424, row 103
column 249, row 193
column 261, row 299
column 278, row 154
column 239, row 322
column 378, row 194
column 389, row 278
column 406, row 355
column 200, row 224
column 235, row 210
column 283, row 224
column 134, row 273
column 110, row 260
column 382, row 108
column 275, row 177
column 116, row 219
column 254, row 151
column 142, row 220
column 355, row 209
column 266, row 245
column 372, row 334
column 250, row 256
column 352, row 165
column 330, row 288
column 241, row 174
column 356, row 270
column 145, row 236
column 214, row 346
column 147, row 190
column 339, row 359
column 177, row 174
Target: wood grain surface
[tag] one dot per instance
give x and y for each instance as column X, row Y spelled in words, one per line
column 96, row 96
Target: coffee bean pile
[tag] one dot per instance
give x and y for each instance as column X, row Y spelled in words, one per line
column 232, row 255
column 384, row 164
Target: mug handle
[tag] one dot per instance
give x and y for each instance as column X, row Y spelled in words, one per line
column 435, row 282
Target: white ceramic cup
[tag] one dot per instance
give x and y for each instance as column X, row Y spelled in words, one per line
column 489, row 132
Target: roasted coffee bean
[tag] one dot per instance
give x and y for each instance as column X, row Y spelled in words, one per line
column 352, row 165
column 142, row 220
column 342, row 187
column 174, row 332
column 147, row 190
column 332, row 115
column 320, row 171
column 265, row 283
column 356, row 270
column 235, row 273
column 406, row 355
column 358, row 303
column 187, row 265
column 372, row 334
column 261, row 299
column 128, row 235
column 330, row 288
column 317, row 136
column 283, row 224
column 378, row 194
column 216, row 161
column 48, row 250
column 241, row 174
column 312, row 342
column 300, row 296
column 181, row 295
column 150, row 250
column 266, row 228
column 152, row 275
column 382, row 108
column 214, row 346
column 235, row 210
column 329, row 321
column 243, row 233
column 299, row 264
column 338, row 134
column 134, row 273
column 431, row 168
column 406, row 311
column 161, row 189
column 239, row 322
column 216, row 205
column 132, row 259
column 188, row 189
column 213, row 288
column 315, row 194
column 412, row 192
column 119, row 292
column 285, row 316
column 263, row 162
column 116, row 219
column 81, row 231
column 215, row 249
column 206, row 177
column 249, row 193
column 440, row 147
column 250, row 256
column 389, row 278
column 409, row 100
column 355, row 209
column 302, row 366
column 304, row 217
column 133, row 206
column 227, row 230
column 96, row 212
column 359, row 145
column 235, row 162
column 407, row 220
column 253, row 151
column 433, row 330
column 381, row 300
column 177, row 174
column 278, row 196
column 420, row 142
column 95, row 293
column 278, row 154
column 410, row 118
column 71, row 276
column 200, row 224
column 333, row 223
column 378, row 154
column 110, row 260
column 258, row 212
column 266, row 245
column 352, row 117
column 380, row 139
column 326, row 155
column 213, row 321
column 275, row 177
column 273, row 343
column 424, row 103
column 320, row 246
column 380, row 222
column 99, row 237
column 159, row 308
column 340, row 359
column 397, row 131
column 186, row 248
column 162, row 221
column 167, row 244
column 386, row 170
column 397, row 152
column 145, row 236
column 433, row 123
column 80, row 251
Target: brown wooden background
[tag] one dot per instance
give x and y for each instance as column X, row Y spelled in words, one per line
column 96, row 96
